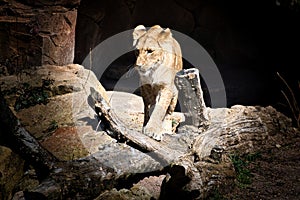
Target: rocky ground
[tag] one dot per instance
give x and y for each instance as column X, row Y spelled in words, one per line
column 272, row 172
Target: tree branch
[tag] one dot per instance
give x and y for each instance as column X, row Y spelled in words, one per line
column 118, row 130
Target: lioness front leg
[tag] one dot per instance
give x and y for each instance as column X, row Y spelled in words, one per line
column 154, row 127
column 173, row 103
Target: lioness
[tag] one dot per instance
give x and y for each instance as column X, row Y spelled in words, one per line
column 159, row 59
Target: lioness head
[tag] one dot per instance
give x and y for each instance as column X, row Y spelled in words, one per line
column 155, row 47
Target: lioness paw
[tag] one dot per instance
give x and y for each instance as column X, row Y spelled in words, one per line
column 154, row 133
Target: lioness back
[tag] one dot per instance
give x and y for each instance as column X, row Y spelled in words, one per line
column 158, row 61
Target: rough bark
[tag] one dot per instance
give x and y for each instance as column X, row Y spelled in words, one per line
column 118, row 130
column 239, row 130
column 191, row 97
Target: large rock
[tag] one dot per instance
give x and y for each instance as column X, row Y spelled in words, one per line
column 33, row 36
column 146, row 189
column 65, row 122
column 66, row 3
column 11, row 171
column 130, row 110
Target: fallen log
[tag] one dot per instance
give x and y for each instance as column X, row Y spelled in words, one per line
column 238, row 131
column 118, row 130
column 192, row 102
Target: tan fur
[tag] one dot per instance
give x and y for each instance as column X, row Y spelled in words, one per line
column 158, row 61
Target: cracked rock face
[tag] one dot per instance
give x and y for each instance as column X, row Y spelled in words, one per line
column 35, row 33
column 65, row 122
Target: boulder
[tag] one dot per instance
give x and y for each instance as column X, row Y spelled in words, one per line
column 66, row 117
column 11, row 172
column 37, row 35
column 66, row 3
column 66, row 123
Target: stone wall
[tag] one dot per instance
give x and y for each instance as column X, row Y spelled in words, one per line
column 35, row 33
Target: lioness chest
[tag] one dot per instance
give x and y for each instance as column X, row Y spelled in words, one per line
column 162, row 76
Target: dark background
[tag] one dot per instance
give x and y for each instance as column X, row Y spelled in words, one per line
column 250, row 41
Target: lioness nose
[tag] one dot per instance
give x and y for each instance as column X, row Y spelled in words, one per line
column 139, row 62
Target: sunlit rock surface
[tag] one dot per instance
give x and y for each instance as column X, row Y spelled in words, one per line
column 67, row 124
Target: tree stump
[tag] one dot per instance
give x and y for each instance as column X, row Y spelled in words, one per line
column 190, row 98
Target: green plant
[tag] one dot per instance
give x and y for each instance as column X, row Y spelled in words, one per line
column 240, row 164
column 30, row 96
column 290, row 97
column 243, row 174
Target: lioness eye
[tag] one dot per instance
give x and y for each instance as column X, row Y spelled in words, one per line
column 149, row 51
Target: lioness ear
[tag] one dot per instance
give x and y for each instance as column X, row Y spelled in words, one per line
column 165, row 34
column 167, row 31
column 137, row 33
column 165, row 40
